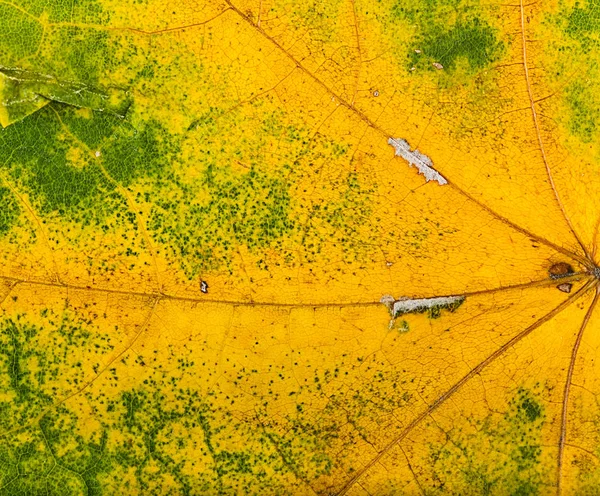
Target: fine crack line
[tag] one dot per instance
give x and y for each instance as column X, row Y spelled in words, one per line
column 595, row 238
column 137, row 30
column 458, row 385
column 539, row 138
column 165, row 296
column 358, row 50
column 584, row 260
column 416, row 479
column 565, row 404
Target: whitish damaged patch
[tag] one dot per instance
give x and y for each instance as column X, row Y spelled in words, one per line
column 422, row 162
column 432, row 306
column 24, row 92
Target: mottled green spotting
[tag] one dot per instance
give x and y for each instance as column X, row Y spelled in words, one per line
column 401, row 325
column 45, row 454
column 302, row 447
column 584, row 114
column 23, row 92
column 51, row 457
column 28, row 36
column 42, row 60
column 222, row 202
column 63, row 10
column 240, row 208
column 231, row 199
column 496, row 455
column 473, row 41
column 450, row 33
column 73, row 162
column 415, row 11
column 320, row 18
column 43, row 165
column 585, row 462
column 9, row 210
column 63, row 54
column 30, row 467
column 84, row 55
column 346, row 216
column 20, row 34
column 528, row 406
column 159, row 438
column 131, row 154
column 583, row 22
column 156, row 435
column 29, row 368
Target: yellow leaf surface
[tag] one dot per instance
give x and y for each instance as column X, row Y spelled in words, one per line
column 276, row 247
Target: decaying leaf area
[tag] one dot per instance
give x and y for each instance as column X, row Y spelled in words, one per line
column 337, row 247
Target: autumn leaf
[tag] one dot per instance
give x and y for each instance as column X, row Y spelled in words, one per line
column 276, row 247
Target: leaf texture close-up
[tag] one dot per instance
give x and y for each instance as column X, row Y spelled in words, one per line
column 299, row 247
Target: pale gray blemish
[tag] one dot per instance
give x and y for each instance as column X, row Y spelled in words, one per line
column 23, row 92
column 431, row 306
column 565, row 287
column 416, row 305
column 422, row 162
column 388, row 301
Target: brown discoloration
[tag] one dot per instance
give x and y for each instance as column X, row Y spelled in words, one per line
column 560, row 269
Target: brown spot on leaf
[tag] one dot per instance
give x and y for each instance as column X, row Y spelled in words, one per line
column 560, row 269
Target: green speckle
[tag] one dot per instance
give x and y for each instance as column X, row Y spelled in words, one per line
column 529, row 406
column 497, row 454
column 583, row 23
column 474, row 42
column 447, row 32
column 249, row 208
column 64, row 11
column 131, row 153
column 73, row 52
column 20, row 35
column 37, row 151
column 9, row 210
column 86, row 55
column 583, row 118
column 402, row 326
column 41, row 162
